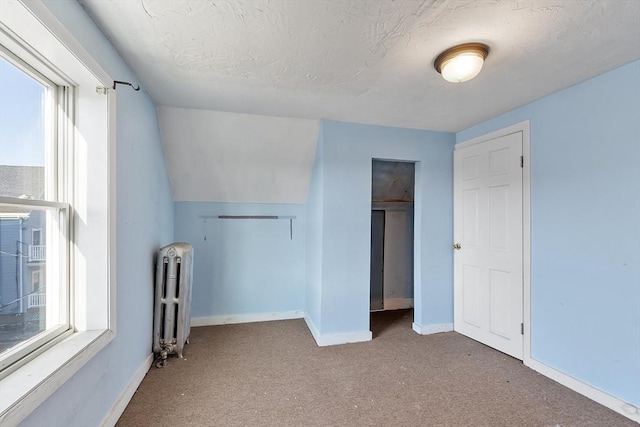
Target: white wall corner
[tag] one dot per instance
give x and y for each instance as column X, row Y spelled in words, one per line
column 347, row 338
column 434, row 328
column 315, row 333
column 336, row 339
column 125, row 397
column 246, row 318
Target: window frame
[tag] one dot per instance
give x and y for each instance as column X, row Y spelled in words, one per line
column 93, row 218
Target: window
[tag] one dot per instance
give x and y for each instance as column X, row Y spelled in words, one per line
column 36, row 233
column 34, row 214
column 57, row 142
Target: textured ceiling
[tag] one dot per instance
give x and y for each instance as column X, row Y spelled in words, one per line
column 364, row 61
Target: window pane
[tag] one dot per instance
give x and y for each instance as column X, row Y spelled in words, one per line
column 33, row 288
column 31, row 298
column 22, row 133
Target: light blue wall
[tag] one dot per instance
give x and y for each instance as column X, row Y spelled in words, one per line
column 245, row 266
column 144, row 223
column 348, row 150
column 314, row 230
column 585, row 229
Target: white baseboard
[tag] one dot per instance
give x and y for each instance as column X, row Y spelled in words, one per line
column 246, row 318
column 125, row 397
column 336, row 339
column 434, row 328
column 623, row 408
column 397, row 303
column 312, row 327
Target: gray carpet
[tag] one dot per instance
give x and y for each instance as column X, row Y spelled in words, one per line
column 273, row 374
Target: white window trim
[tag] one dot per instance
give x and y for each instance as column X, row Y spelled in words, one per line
column 27, row 387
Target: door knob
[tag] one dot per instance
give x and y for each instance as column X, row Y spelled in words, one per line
column 457, row 246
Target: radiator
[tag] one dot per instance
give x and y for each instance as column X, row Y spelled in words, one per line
column 172, row 308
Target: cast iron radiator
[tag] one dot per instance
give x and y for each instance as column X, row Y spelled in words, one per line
column 172, row 308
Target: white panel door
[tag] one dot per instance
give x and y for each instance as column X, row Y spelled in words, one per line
column 488, row 277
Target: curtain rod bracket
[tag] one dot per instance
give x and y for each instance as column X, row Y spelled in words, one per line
column 118, row 82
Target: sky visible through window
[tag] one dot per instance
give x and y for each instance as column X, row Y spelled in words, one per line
column 21, row 117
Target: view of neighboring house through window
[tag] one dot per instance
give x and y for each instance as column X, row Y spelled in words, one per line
column 33, row 222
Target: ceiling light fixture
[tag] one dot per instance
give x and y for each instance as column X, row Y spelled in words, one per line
column 461, row 63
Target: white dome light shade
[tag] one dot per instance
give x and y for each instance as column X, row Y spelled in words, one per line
column 462, row 67
column 461, row 63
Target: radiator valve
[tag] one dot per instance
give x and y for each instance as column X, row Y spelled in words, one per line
column 163, row 355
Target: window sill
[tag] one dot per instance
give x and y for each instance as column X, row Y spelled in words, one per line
column 26, row 388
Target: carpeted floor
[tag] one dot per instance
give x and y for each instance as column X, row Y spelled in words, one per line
column 273, row 374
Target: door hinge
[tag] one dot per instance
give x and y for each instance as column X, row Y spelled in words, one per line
column 521, row 161
column 521, row 328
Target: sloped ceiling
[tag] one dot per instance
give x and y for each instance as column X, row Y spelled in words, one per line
column 365, row 61
column 215, row 156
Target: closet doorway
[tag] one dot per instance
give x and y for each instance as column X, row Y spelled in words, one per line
column 392, row 207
